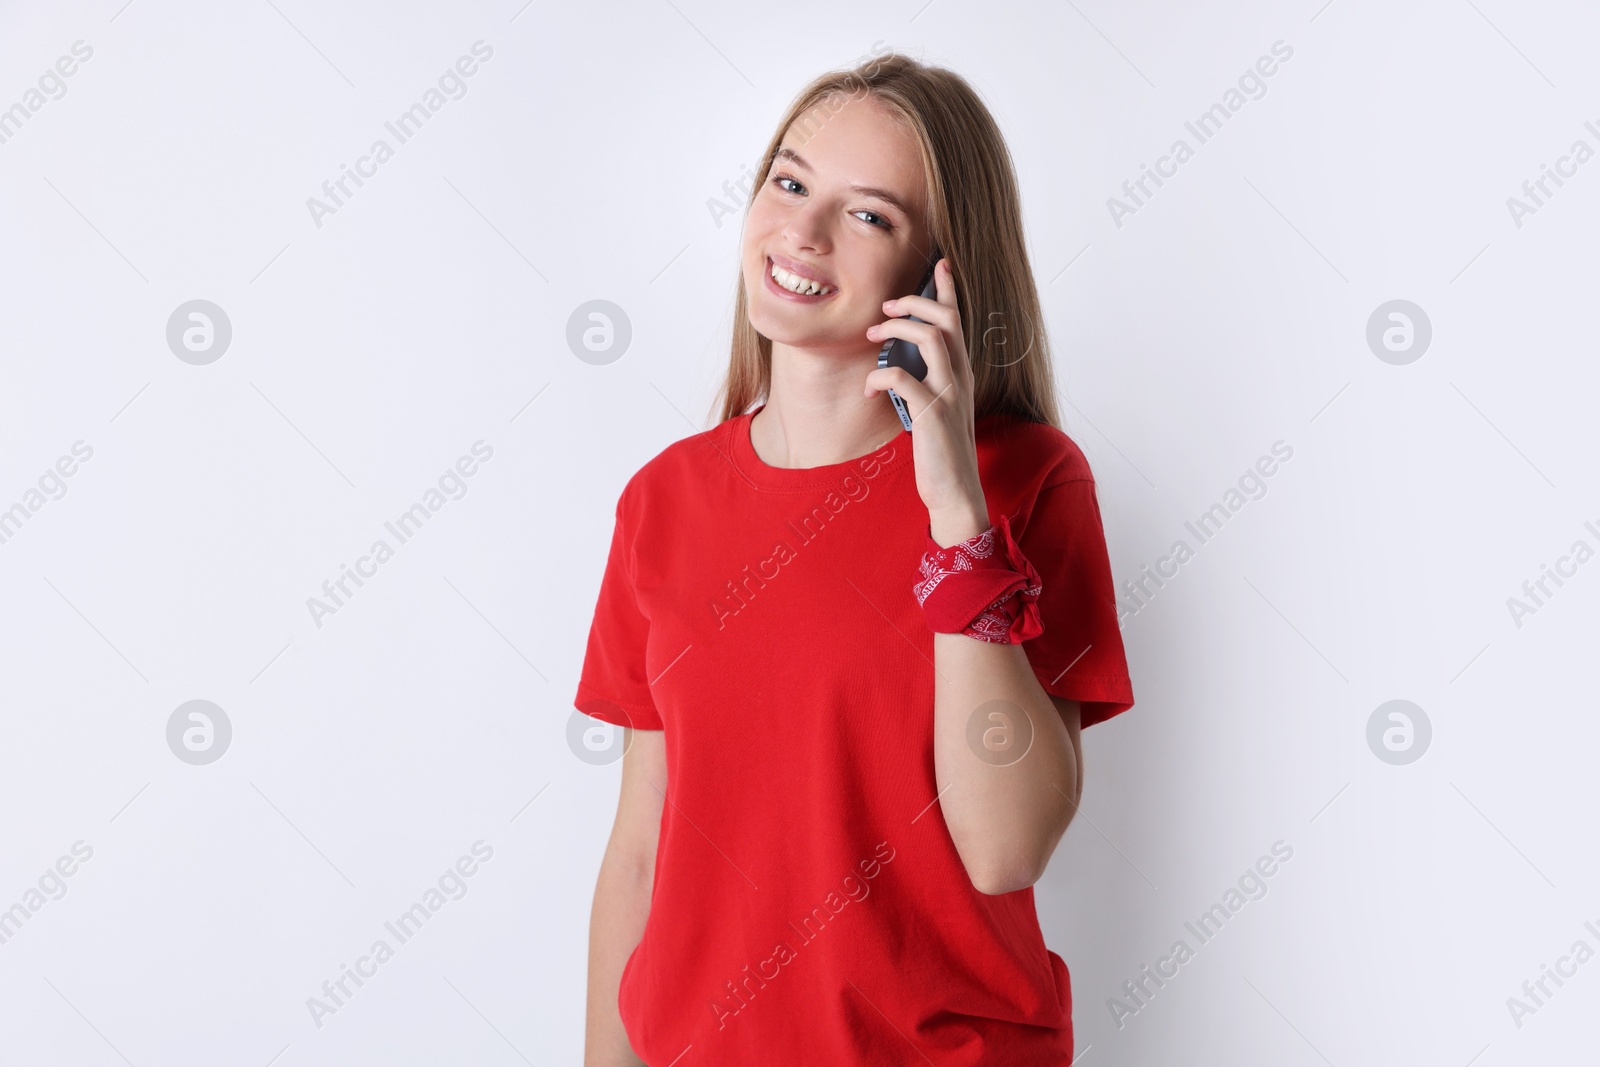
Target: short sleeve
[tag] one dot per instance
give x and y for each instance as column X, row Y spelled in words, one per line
column 613, row 685
column 1079, row 656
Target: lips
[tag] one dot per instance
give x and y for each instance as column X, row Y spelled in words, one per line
column 792, row 271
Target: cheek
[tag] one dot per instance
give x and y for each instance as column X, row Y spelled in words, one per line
column 751, row 259
column 758, row 230
column 762, row 208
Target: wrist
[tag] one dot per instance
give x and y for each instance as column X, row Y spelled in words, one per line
column 982, row 586
column 949, row 526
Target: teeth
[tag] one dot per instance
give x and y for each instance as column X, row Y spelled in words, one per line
column 795, row 283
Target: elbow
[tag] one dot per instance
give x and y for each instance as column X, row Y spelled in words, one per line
column 995, row 866
column 1003, row 876
column 1016, row 865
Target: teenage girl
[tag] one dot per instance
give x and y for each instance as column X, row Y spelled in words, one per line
column 853, row 661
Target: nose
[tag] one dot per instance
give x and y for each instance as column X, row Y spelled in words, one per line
column 808, row 227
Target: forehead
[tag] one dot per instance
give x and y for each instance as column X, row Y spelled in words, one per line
column 860, row 144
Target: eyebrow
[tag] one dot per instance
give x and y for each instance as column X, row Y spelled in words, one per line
column 865, row 190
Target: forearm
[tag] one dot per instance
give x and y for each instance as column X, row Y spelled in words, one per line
column 616, row 923
column 1008, row 783
column 1005, row 817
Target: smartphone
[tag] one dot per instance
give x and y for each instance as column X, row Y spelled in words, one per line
column 898, row 352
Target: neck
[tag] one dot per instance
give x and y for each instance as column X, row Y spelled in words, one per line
column 815, row 413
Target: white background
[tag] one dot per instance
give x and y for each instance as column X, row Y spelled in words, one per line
column 430, row 312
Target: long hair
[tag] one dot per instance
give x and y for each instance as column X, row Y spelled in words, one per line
column 976, row 222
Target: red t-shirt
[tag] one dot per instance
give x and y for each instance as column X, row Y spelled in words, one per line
column 809, row 906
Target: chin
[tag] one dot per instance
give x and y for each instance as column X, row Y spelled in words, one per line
column 776, row 326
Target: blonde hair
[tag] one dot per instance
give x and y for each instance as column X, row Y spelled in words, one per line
column 976, row 222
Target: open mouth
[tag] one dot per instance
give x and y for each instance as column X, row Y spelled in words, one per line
column 795, row 286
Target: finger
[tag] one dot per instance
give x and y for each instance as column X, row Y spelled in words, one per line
column 945, row 283
column 941, row 307
column 918, row 333
column 918, row 397
column 929, row 340
column 937, row 312
column 916, row 394
column 943, row 312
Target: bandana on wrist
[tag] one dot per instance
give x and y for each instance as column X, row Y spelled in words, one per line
column 983, row 587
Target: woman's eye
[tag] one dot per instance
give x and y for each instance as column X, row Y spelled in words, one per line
column 794, row 188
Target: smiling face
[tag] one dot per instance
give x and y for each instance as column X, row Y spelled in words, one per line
column 841, row 216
